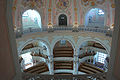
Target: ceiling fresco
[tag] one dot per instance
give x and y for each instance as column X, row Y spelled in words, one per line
column 92, row 2
column 62, row 4
column 74, row 9
column 33, row 3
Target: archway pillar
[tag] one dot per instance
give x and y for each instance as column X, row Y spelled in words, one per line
column 75, row 64
column 51, row 63
column 114, row 64
column 9, row 68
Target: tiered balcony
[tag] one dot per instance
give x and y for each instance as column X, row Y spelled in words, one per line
column 90, row 73
column 106, row 31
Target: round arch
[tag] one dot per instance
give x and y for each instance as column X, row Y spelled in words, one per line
column 31, row 41
column 56, row 40
column 57, row 18
column 62, row 20
column 96, row 8
column 31, row 19
column 106, row 46
column 21, row 9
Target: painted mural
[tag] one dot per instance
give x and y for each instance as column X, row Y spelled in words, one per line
column 62, row 4
column 75, row 10
column 63, row 7
column 33, row 3
column 92, row 2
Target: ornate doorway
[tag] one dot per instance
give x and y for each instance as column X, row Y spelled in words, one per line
column 62, row 20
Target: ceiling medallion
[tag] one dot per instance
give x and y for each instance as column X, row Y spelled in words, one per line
column 62, row 4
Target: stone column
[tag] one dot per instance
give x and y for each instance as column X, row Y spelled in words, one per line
column 114, row 65
column 9, row 68
column 50, row 62
column 75, row 64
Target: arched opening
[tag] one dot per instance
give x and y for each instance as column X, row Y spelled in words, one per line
column 63, row 55
column 63, row 48
column 33, row 57
column 62, row 20
column 93, row 55
column 31, row 19
column 95, row 18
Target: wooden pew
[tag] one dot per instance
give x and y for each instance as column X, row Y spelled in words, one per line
column 63, row 65
column 39, row 68
column 89, row 69
column 63, row 52
column 94, row 67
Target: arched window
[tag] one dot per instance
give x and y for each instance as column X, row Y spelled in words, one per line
column 100, row 57
column 91, row 48
column 62, row 20
column 27, row 60
column 95, row 18
column 31, row 19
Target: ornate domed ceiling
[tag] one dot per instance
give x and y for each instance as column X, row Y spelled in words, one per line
column 92, row 2
column 62, row 4
column 75, row 10
column 32, row 3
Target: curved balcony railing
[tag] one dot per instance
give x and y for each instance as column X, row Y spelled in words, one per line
column 107, row 32
column 97, row 76
column 90, row 48
column 32, row 49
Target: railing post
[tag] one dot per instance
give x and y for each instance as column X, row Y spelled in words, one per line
column 75, row 29
column 50, row 29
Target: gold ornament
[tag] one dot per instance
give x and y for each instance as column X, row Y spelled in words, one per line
column 113, row 5
column 49, row 10
column 92, row 3
column 75, row 9
column 14, row 8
